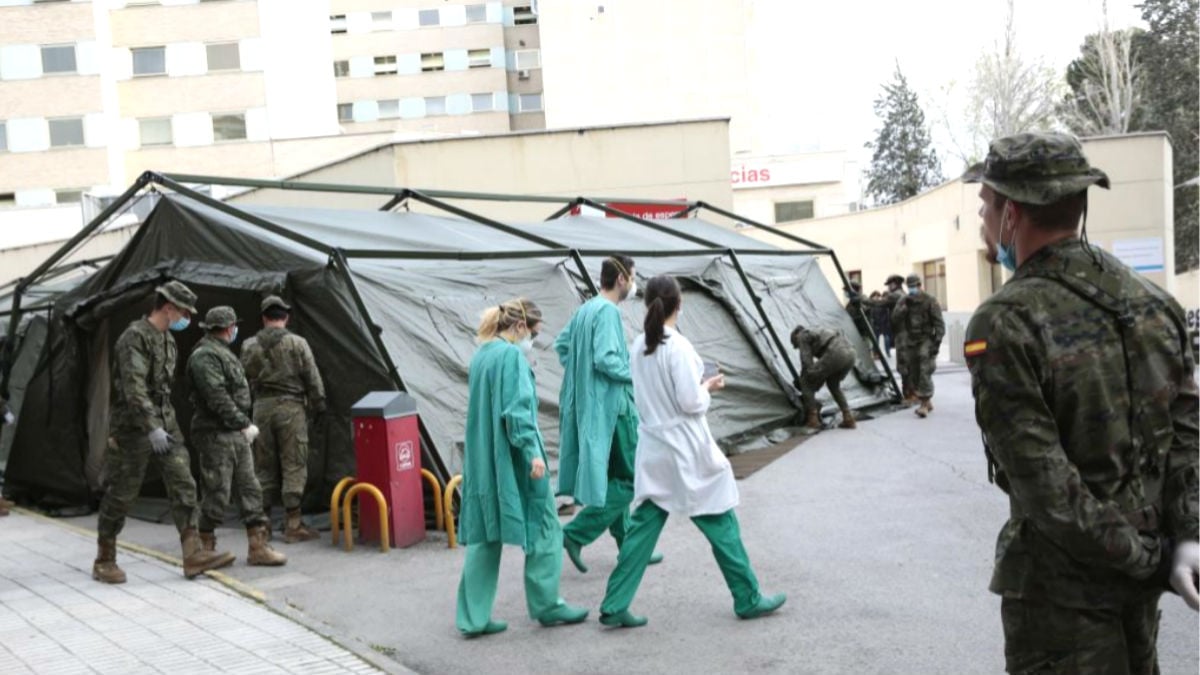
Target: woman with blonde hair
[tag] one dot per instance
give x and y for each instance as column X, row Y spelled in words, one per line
column 506, row 495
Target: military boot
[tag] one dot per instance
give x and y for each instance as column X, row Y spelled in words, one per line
column 814, row 420
column 925, row 408
column 105, row 568
column 208, row 540
column 196, row 560
column 847, row 420
column 261, row 552
column 296, row 530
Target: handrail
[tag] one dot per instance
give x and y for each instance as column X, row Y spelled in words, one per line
column 448, row 503
column 348, row 535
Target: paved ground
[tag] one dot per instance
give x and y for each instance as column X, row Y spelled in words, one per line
column 55, row 619
column 882, row 537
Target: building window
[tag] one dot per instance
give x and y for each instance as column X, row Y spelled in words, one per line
column 479, row 58
column 341, row 68
column 855, row 277
column 527, row 59
column 428, row 17
column 230, row 127
column 789, row 211
column 155, row 131
column 432, row 62
column 345, row 112
column 483, row 102
column 58, row 59
column 476, row 13
column 68, row 196
column 381, row 20
column 524, row 16
column 150, row 61
column 435, row 105
column 224, row 56
column 385, row 65
column 933, row 274
column 66, row 132
column 337, row 24
column 3, row 138
column 389, row 108
column 529, row 102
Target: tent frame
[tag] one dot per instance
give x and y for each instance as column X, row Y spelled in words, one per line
column 339, row 259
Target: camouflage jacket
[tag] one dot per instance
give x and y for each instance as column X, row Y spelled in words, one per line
column 917, row 321
column 280, row 364
column 1084, row 390
column 143, row 368
column 220, row 395
column 815, row 343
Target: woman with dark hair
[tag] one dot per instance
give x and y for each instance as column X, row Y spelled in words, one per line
column 679, row 468
column 506, row 497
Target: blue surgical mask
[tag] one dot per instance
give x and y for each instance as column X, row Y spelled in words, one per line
column 1006, row 255
column 913, row 290
column 180, row 324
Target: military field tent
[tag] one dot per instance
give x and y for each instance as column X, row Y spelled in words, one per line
column 391, row 300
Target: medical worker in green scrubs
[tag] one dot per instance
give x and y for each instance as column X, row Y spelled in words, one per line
column 506, row 495
column 597, row 417
column 680, row 470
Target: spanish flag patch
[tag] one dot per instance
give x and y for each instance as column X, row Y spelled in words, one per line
column 975, row 347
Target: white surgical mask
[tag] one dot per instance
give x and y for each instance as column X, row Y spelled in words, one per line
column 632, row 290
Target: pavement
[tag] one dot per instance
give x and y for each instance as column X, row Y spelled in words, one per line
column 882, row 537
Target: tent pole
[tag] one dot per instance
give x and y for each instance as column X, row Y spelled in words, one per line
column 566, row 209
column 874, row 338
column 646, row 223
column 753, row 223
column 762, row 314
column 343, row 268
column 463, row 213
column 391, row 203
column 688, row 211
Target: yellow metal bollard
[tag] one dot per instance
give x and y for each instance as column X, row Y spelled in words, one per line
column 335, row 502
column 436, row 487
column 448, row 504
column 383, row 515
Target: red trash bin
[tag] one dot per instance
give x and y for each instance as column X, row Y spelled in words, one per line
column 387, row 447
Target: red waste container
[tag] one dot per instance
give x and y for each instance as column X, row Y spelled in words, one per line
column 387, row 447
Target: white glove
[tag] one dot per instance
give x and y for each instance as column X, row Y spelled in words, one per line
column 8, row 417
column 160, row 441
column 251, row 433
column 1184, row 567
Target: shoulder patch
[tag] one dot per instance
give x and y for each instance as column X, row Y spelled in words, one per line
column 975, row 347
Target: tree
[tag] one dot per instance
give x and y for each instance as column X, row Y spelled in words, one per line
column 1170, row 53
column 1106, row 84
column 903, row 162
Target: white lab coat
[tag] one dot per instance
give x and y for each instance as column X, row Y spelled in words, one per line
column 679, row 466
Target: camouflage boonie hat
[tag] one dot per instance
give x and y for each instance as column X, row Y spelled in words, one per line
column 894, row 279
column 912, row 280
column 1036, row 168
column 273, row 301
column 180, row 295
column 221, row 316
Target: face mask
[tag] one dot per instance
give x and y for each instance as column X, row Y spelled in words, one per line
column 1006, row 255
column 180, row 324
column 913, row 290
column 632, row 290
column 233, row 338
column 526, row 346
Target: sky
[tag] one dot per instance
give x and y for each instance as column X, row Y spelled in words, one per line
column 859, row 42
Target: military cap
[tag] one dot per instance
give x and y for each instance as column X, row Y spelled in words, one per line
column 181, row 296
column 221, row 316
column 1039, row 168
column 894, row 279
column 913, row 280
column 274, row 301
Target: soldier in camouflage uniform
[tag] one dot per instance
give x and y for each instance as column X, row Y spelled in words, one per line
column 142, row 428
column 919, row 328
column 222, row 433
column 287, row 389
column 826, row 357
column 6, row 418
column 1084, row 390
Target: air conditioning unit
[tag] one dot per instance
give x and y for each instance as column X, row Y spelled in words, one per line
column 522, row 74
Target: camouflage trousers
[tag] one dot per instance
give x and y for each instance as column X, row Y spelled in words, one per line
column 916, row 365
column 1043, row 638
column 281, row 451
column 226, row 463
column 828, row 371
column 129, row 453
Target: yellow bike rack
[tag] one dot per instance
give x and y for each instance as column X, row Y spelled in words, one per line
column 335, row 501
column 383, row 515
column 436, row 487
column 448, row 503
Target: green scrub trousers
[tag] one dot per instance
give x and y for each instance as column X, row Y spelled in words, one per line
column 543, row 568
column 592, row 521
column 722, row 533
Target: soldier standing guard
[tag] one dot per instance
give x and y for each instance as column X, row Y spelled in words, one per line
column 287, row 389
column 222, row 433
column 143, row 428
column 919, row 328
